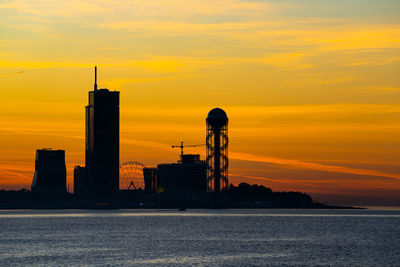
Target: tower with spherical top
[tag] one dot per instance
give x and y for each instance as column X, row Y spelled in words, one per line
column 217, row 150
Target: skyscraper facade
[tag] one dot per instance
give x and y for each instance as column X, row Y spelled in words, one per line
column 102, row 141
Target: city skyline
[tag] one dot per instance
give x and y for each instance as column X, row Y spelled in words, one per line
column 312, row 97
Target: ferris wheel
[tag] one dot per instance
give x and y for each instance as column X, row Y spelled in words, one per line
column 131, row 175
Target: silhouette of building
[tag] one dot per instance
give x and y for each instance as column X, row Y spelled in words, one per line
column 102, row 141
column 150, row 179
column 80, row 180
column 189, row 174
column 50, row 172
column 217, row 150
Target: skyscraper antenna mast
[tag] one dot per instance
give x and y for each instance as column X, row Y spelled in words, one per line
column 95, row 78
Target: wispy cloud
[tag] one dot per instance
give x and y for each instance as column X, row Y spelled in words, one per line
column 12, row 73
column 378, row 61
column 337, row 80
column 109, row 48
column 310, row 165
column 144, row 143
column 14, row 173
column 75, row 8
column 389, row 88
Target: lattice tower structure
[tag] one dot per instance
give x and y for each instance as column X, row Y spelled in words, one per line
column 217, row 150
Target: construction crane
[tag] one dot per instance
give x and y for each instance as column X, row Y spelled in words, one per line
column 182, row 146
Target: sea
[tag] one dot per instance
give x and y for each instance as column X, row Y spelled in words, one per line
column 231, row 237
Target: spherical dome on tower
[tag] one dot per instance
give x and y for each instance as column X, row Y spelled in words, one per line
column 217, row 113
column 217, row 117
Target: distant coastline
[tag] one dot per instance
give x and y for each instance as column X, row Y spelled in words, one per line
column 243, row 196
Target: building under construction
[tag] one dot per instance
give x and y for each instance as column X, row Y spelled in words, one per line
column 50, row 172
column 189, row 174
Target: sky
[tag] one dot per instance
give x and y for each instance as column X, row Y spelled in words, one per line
column 311, row 87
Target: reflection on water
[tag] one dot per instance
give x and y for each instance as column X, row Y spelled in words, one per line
column 207, row 260
column 375, row 212
column 200, row 237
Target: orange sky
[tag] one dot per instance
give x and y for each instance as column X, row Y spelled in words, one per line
column 311, row 88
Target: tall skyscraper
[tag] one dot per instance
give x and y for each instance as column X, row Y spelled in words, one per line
column 102, row 140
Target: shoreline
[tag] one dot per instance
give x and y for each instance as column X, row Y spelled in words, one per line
column 103, row 206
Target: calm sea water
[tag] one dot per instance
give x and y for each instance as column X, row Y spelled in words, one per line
column 200, row 238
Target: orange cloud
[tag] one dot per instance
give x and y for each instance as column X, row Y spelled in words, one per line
column 309, row 165
column 11, row 174
column 12, row 73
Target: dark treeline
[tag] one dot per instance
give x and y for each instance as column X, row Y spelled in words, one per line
column 242, row 196
column 263, row 195
column 8, row 196
column 24, row 198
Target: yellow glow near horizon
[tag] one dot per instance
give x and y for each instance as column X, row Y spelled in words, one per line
column 312, row 90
